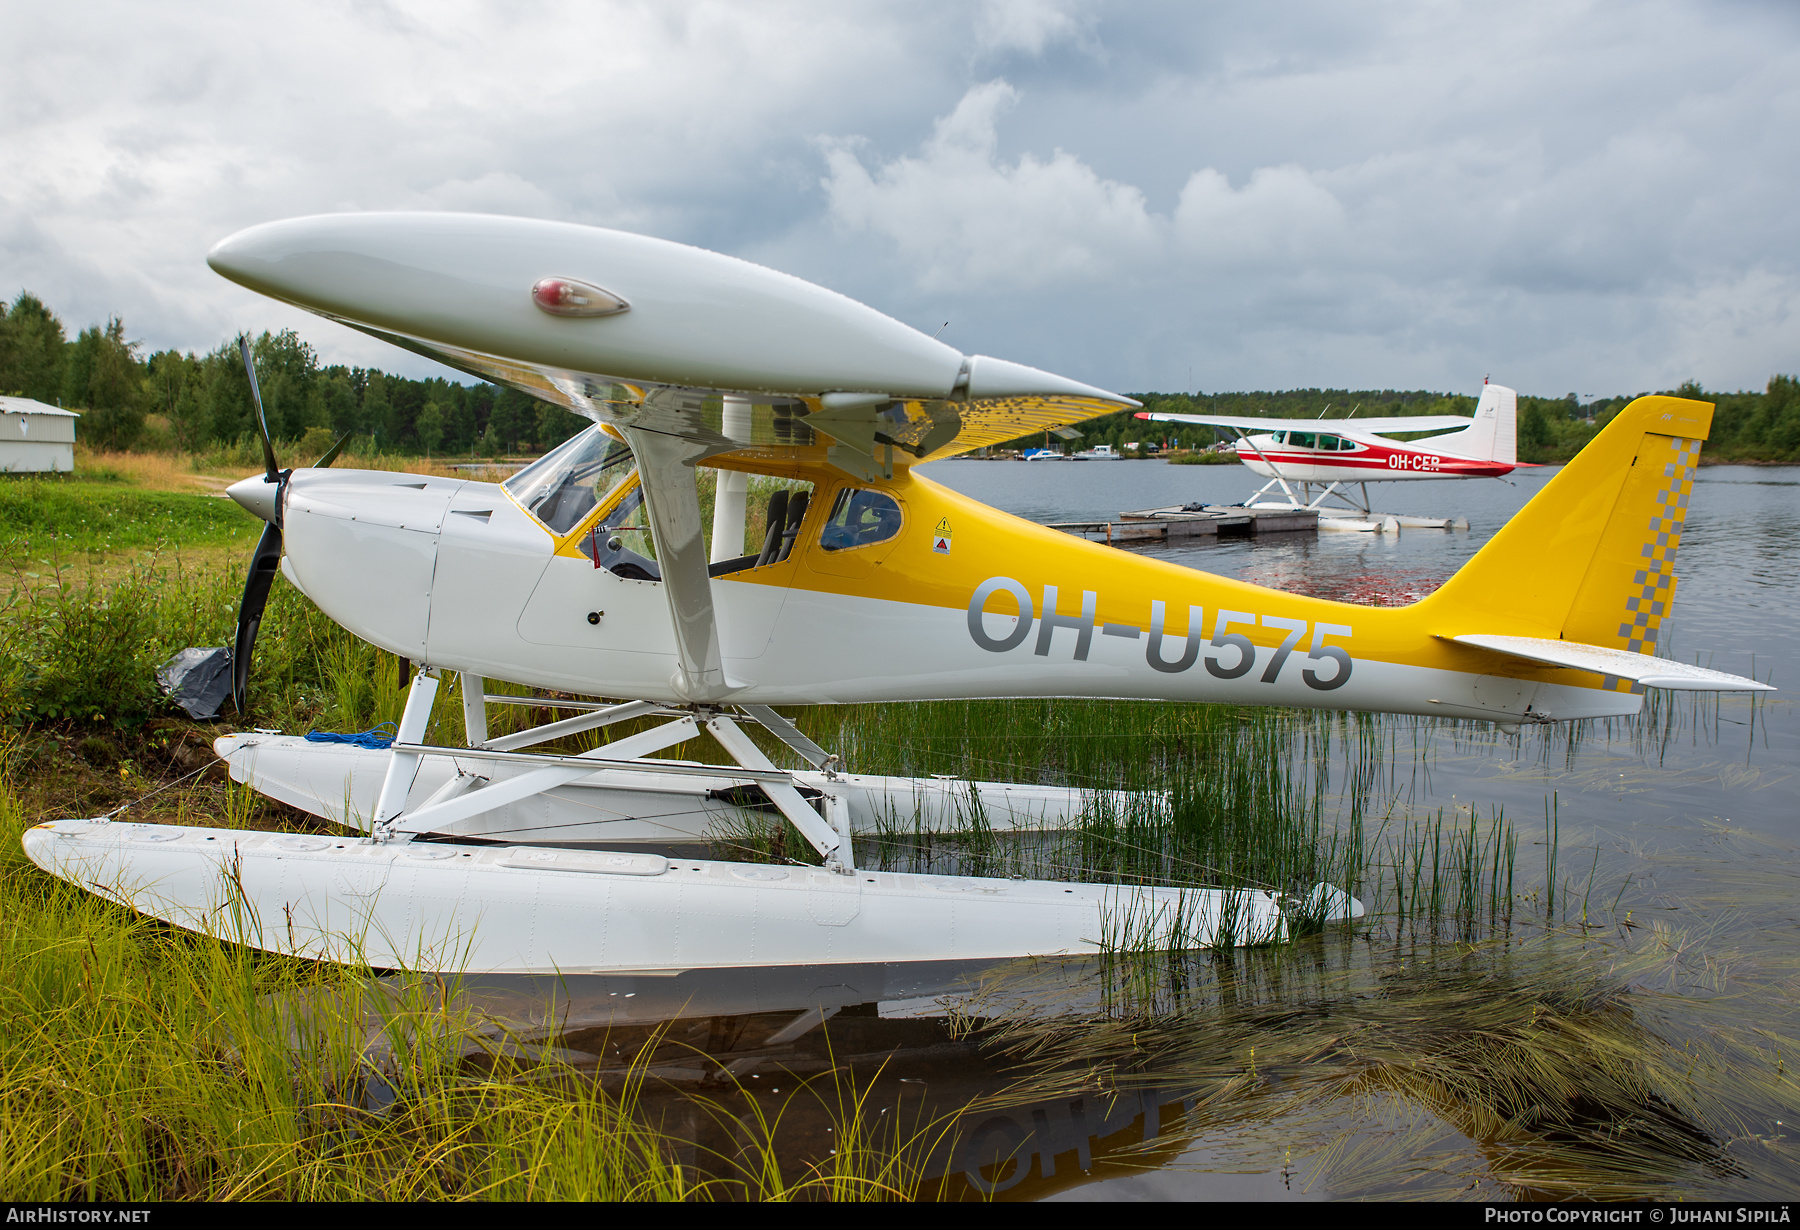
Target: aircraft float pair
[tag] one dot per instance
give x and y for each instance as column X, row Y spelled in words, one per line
column 589, row 573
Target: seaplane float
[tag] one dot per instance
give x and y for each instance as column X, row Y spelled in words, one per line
column 589, row 573
column 1326, row 465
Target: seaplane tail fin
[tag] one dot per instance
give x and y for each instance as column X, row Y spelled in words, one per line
column 1494, row 435
column 1591, row 559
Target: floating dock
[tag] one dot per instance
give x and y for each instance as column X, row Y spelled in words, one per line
column 1175, row 524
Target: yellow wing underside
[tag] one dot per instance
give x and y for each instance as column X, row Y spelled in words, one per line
column 780, row 435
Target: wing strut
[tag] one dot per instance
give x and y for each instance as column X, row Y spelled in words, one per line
column 1275, row 469
column 666, row 469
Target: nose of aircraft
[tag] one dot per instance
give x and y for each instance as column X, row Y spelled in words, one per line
column 257, row 495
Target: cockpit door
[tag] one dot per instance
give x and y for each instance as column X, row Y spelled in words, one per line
column 860, row 527
column 602, row 587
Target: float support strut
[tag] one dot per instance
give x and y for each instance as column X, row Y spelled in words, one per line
column 404, row 766
column 474, row 698
column 824, row 838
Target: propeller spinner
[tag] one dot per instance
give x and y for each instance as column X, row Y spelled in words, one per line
column 262, row 496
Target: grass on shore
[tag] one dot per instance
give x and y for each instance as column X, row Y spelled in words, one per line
column 1201, row 457
column 139, row 1062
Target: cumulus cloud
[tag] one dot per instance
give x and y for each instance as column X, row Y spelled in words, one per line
column 958, row 214
column 1401, row 192
column 135, row 139
column 961, row 216
column 1279, row 218
column 1526, row 195
column 1030, row 25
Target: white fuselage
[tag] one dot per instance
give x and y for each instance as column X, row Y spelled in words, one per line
column 1320, row 457
column 455, row 574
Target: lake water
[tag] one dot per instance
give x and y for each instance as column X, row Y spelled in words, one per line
column 1737, row 610
column 1671, row 959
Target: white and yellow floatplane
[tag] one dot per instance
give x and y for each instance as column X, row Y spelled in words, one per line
column 589, row 573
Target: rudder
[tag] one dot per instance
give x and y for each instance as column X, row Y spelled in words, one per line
column 1630, row 585
column 1494, row 433
column 1591, row 558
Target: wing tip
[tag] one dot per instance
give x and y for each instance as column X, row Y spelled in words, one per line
column 991, row 377
column 1716, row 681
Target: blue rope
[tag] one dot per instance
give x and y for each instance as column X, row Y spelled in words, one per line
column 374, row 740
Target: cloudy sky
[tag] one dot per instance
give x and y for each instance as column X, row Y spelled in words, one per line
column 1569, row 196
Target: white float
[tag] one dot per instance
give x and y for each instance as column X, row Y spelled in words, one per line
column 532, row 910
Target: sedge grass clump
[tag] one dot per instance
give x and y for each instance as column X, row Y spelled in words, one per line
column 1530, row 1069
column 140, row 1062
column 87, row 650
column 1098, row 744
column 871, row 1156
column 757, row 832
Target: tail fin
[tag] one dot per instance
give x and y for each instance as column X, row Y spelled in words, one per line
column 1591, row 558
column 1494, row 434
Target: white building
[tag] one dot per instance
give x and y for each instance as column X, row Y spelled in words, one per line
column 34, row 436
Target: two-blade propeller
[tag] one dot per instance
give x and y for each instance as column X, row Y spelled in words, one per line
column 264, row 498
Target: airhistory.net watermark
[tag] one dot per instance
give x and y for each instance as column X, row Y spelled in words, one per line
column 67, row 1215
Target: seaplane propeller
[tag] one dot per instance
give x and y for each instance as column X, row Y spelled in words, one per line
column 262, row 496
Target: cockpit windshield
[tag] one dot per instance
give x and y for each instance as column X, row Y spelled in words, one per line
column 566, row 483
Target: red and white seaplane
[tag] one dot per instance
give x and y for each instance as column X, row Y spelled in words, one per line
column 1314, row 464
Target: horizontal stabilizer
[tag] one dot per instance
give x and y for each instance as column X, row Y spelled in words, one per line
column 1651, row 671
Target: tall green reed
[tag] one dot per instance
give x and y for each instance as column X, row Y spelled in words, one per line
column 139, row 1062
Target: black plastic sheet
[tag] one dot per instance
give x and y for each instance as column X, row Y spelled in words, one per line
column 198, row 681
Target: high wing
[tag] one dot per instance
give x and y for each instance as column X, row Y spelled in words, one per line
column 650, row 338
column 642, row 333
column 1354, row 428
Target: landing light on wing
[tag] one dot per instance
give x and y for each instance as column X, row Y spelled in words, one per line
column 569, row 297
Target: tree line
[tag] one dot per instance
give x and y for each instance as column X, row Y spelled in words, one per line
column 1747, row 426
column 204, row 400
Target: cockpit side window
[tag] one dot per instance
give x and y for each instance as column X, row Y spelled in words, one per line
column 566, row 483
column 860, row 518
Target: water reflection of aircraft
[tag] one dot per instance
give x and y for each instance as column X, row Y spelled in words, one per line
column 1314, row 464
column 1021, row 1080
column 724, row 1035
column 589, row 573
